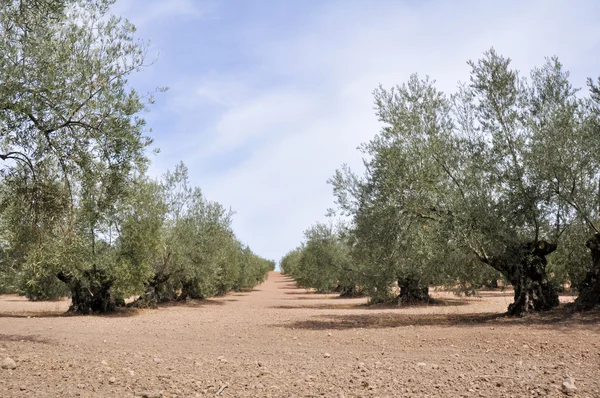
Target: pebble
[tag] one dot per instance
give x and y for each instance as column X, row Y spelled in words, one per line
column 8, row 363
column 421, row 364
column 112, row 380
column 149, row 394
column 568, row 384
column 158, row 360
column 327, row 355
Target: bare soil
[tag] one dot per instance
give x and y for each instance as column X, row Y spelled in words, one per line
column 281, row 341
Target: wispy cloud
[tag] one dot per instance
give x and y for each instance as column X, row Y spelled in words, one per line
column 145, row 12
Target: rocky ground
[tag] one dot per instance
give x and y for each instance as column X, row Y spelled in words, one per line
column 281, row 341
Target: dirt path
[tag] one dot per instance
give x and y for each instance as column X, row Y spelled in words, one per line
column 280, row 341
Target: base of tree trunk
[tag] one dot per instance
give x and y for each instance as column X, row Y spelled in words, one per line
column 189, row 291
column 411, row 291
column 156, row 292
column 491, row 284
column 349, row 291
column 91, row 292
column 533, row 297
column 589, row 289
column 525, row 268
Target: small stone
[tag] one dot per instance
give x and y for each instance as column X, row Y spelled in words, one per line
column 8, row 363
column 421, row 364
column 112, row 380
column 104, row 363
column 326, row 355
column 329, row 334
column 568, row 384
column 158, row 360
column 149, row 394
column 131, row 372
column 22, row 388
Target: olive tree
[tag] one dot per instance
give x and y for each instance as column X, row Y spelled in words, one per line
column 70, row 129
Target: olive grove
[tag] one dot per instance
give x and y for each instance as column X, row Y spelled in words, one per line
column 79, row 215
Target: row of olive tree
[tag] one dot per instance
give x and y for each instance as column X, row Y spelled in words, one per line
column 78, row 214
column 322, row 262
column 485, row 182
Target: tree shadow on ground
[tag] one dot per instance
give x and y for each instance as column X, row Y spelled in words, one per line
column 120, row 312
column 306, row 291
column 561, row 318
column 192, row 303
column 365, row 306
column 309, row 297
column 19, row 337
column 494, row 293
column 25, row 300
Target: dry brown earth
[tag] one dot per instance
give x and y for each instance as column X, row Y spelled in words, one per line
column 281, row 341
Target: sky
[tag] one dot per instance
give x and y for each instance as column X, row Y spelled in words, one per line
column 267, row 98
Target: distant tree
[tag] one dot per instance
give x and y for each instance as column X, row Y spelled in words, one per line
column 322, row 262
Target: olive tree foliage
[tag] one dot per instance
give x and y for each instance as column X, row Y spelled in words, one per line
column 490, row 180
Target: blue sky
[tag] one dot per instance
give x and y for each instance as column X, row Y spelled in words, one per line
column 267, row 98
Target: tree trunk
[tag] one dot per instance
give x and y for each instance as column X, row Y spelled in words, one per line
column 189, row 291
column 90, row 293
column 411, row 291
column 348, row 291
column 589, row 290
column 155, row 292
column 491, row 284
column 525, row 268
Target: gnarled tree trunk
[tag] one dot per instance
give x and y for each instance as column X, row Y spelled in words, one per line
column 91, row 292
column 348, row 291
column 155, row 292
column 589, row 290
column 189, row 291
column 411, row 291
column 524, row 267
